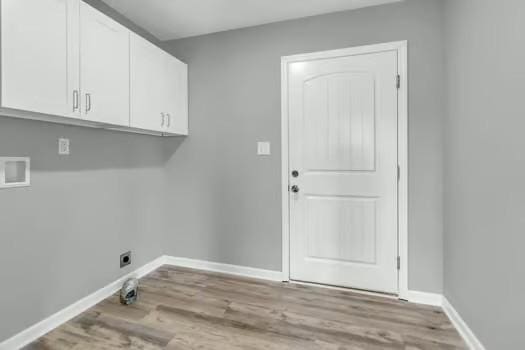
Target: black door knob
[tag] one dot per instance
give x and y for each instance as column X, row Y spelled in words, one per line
column 295, row 188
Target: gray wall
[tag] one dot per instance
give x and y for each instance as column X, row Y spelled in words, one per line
column 61, row 238
column 225, row 201
column 484, row 168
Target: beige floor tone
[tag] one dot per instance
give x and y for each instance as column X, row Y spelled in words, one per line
column 188, row 309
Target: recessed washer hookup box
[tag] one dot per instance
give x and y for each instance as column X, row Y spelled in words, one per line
column 14, row 172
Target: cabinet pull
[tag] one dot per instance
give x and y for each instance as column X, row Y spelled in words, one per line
column 162, row 119
column 169, row 120
column 88, row 102
column 75, row 100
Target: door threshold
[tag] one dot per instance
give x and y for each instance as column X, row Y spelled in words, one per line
column 347, row 289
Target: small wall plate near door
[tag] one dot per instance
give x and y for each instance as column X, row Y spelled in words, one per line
column 14, row 172
column 263, row 148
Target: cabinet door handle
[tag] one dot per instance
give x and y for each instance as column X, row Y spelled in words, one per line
column 162, row 118
column 169, row 120
column 75, row 100
column 88, row 102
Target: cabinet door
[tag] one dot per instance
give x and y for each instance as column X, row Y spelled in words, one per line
column 39, row 66
column 104, row 68
column 147, row 85
column 177, row 95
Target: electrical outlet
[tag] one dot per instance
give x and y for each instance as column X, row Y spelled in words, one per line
column 125, row 259
column 63, row 146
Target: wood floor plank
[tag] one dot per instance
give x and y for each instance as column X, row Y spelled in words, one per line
column 181, row 309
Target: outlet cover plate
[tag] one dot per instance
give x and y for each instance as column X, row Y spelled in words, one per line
column 125, row 259
column 63, row 146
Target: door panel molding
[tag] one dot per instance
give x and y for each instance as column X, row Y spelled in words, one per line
column 401, row 48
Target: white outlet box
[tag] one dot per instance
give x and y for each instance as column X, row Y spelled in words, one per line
column 63, row 146
column 263, row 148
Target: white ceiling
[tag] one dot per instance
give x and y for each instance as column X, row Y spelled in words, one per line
column 174, row 19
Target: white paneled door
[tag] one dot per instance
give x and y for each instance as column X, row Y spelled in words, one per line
column 343, row 170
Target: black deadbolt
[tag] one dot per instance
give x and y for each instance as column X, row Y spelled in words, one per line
column 295, row 173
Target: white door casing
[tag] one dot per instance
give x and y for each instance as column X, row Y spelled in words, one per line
column 340, row 132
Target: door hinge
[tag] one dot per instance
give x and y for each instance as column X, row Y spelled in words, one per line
column 398, row 81
column 399, row 263
column 398, row 173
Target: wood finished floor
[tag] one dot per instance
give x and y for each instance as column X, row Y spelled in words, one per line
column 189, row 309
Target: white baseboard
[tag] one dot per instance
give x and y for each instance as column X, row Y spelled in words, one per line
column 433, row 299
column 425, row 298
column 224, row 268
column 468, row 335
column 43, row 327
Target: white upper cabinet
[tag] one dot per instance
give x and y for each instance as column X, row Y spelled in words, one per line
column 37, row 57
column 63, row 58
column 104, row 68
column 159, row 94
column 176, row 95
column 147, row 85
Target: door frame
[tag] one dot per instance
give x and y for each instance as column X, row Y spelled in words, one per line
column 401, row 47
